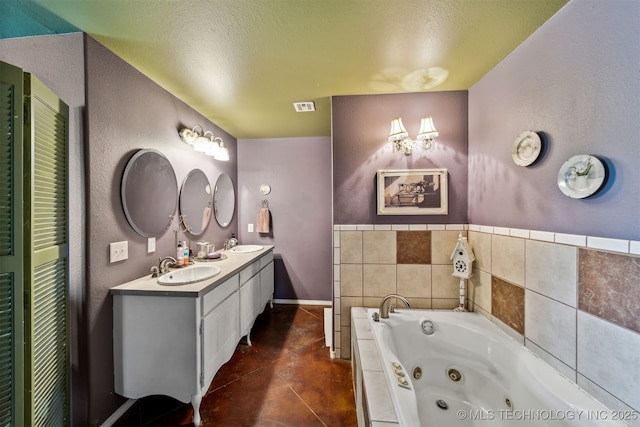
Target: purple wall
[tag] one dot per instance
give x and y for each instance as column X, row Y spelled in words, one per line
column 126, row 111
column 360, row 131
column 299, row 173
column 576, row 80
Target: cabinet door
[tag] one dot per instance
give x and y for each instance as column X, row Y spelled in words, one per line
column 249, row 302
column 266, row 285
column 221, row 333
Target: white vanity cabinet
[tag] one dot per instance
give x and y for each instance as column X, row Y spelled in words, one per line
column 172, row 340
column 267, row 279
column 220, row 328
column 256, row 289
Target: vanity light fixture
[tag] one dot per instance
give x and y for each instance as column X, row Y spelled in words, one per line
column 399, row 137
column 205, row 142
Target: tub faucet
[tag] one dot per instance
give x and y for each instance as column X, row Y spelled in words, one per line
column 385, row 308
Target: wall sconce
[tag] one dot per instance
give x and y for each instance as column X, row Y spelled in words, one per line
column 399, row 136
column 205, row 142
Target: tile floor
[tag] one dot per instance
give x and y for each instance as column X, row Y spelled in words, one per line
column 286, row 378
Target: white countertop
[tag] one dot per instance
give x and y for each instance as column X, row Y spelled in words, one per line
column 233, row 263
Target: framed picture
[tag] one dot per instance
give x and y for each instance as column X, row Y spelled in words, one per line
column 412, row 192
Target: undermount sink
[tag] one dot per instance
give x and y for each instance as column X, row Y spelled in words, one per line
column 188, row 275
column 243, row 249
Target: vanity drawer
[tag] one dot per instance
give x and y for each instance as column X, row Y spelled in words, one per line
column 266, row 259
column 248, row 272
column 219, row 294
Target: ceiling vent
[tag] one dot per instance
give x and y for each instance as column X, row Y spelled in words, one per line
column 303, row 107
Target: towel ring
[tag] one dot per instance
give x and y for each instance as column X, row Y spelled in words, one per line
column 265, row 203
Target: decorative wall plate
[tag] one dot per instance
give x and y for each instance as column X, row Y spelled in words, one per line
column 581, row 176
column 265, row 189
column 526, row 148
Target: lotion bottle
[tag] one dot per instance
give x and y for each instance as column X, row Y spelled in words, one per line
column 180, row 254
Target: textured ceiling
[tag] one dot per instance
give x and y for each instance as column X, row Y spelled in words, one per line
column 242, row 63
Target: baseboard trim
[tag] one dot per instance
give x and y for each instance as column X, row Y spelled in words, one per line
column 302, row 302
column 119, row 413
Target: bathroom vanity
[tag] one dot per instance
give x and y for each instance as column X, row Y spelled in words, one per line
column 171, row 340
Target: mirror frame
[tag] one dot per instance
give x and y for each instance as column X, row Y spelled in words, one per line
column 195, row 201
column 224, row 189
column 149, row 186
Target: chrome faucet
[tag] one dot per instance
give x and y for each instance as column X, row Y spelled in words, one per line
column 385, row 308
column 163, row 264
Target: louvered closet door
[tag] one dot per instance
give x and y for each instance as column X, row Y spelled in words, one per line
column 46, row 261
column 11, row 250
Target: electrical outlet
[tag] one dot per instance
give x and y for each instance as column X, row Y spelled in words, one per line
column 151, row 245
column 118, row 251
column 250, row 228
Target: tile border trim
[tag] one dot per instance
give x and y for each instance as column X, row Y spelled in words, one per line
column 622, row 246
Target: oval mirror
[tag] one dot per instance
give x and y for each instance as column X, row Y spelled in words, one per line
column 224, row 200
column 149, row 192
column 196, row 202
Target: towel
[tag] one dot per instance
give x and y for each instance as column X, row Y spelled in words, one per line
column 263, row 220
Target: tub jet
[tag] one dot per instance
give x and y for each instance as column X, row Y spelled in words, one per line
column 454, row 375
column 417, row 372
column 442, row 404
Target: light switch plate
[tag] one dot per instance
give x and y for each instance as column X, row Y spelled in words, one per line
column 250, row 228
column 118, row 251
column 151, row 245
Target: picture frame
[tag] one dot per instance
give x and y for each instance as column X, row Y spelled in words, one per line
column 412, row 192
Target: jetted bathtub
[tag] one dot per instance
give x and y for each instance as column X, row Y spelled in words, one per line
column 458, row 369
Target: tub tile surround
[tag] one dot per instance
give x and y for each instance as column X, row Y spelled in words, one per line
column 373, row 261
column 578, row 296
column 507, row 303
column 609, row 288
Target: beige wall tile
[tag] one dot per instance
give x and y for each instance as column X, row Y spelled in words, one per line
column 606, row 355
column 481, row 245
column 442, row 245
column 484, row 313
column 414, row 280
column 345, row 342
column 420, row 302
column 372, row 302
column 479, row 289
column 345, row 308
column 379, row 279
column 507, row 258
column 445, row 303
column 443, row 284
column 551, row 325
column 550, row 270
column 351, row 247
column 351, row 280
column 379, row 247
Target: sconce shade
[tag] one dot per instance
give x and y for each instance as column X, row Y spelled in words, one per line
column 399, row 137
column 222, row 154
column 205, row 142
column 398, row 131
column 202, row 143
column 427, row 129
